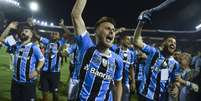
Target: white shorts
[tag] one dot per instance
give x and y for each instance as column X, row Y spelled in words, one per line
column 73, row 87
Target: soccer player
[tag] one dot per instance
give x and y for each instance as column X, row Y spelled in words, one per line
column 73, row 52
column 185, row 79
column 160, row 67
column 101, row 69
column 128, row 65
column 139, row 68
column 50, row 74
column 28, row 60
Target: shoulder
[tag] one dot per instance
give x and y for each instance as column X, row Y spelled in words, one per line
column 34, row 46
column 117, row 57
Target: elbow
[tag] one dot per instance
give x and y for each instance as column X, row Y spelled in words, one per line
column 138, row 43
column 75, row 15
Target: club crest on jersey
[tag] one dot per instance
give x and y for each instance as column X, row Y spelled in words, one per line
column 104, row 62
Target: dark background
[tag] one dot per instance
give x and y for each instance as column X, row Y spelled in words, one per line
column 181, row 15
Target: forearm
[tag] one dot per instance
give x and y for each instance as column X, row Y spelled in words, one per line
column 5, row 33
column 137, row 35
column 78, row 8
column 66, row 30
column 132, row 74
column 39, row 65
column 118, row 90
column 76, row 16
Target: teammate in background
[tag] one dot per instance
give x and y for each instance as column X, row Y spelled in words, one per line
column 160, row 67
column 50, row 74
column 72, row 51
column 101, row 68
column 177, row 55
column 128, row 62
column 139, row 69
column 28, row 61
column 185, row 80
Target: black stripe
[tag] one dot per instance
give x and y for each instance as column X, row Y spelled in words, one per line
column 49, row 61
column 97, row 82
column 19, row 58
column 108, row 92
column 58, row 57
column 157, row 90
column 86, row 60
column 28, row 63
column 148, row 80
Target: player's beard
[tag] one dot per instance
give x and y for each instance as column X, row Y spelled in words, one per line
column 24, row 38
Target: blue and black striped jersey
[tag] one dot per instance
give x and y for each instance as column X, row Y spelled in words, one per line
column 159, row 72
column 73, row 51
column 26, row 58
column 52, row 55
column 98, row 71
column 128, row 57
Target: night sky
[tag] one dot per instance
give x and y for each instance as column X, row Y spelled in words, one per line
column 181, row 15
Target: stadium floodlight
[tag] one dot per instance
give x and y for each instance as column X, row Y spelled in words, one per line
column 45, row 23
column 38, row 22
column 34, row 21
column 42, row 23
column 13, row 2
column 33, row 6
column 51, row 24
column 198, row 27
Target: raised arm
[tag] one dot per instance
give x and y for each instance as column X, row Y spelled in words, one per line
column 76, row 16
column 12, row 25
column 137, row 35
column 143, row 18
column 66, row 30
column 120, row 30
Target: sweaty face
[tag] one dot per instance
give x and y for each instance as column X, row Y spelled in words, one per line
column 25, row 35
column 170, row 45
column 55, row 36
column 105, row 34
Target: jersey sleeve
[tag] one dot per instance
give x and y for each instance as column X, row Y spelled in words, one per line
column 119, row 69
column 84, row 41
column 45, row 41
column 114, row 48
column 148, row 49
column 132, row 57
column 62, row 41
column 37, row 53
column 175, row 72
column 71, row 49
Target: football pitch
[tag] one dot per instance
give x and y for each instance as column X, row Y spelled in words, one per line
column 6, row 74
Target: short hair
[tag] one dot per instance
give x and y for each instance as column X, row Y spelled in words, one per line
column 169, row 36
column 25, row 25
column 187, row 56
column 105, row 19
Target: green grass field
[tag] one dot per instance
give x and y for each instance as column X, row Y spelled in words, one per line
column 6, row 74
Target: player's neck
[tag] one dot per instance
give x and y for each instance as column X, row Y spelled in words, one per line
column 26, row 42
column 102, row 49
column 124, row 47
column 166, row 54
